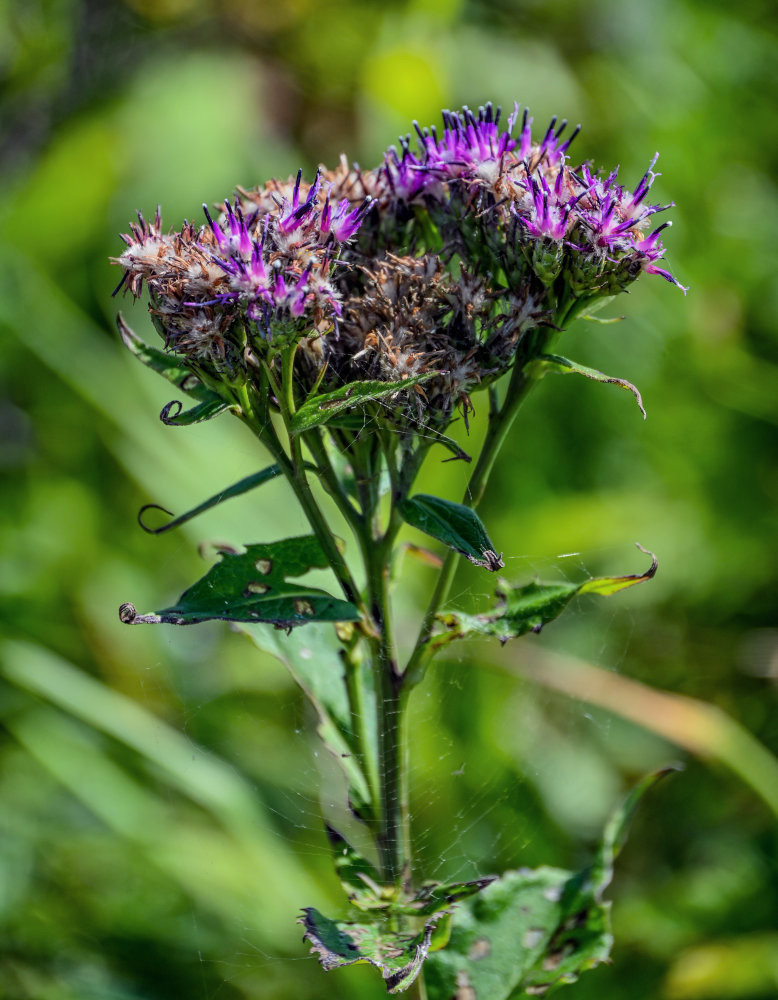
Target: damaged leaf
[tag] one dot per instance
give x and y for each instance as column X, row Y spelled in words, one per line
column 528, row 608
column 339, row 943
column 553, row 363
column 530, row 930
column 252, row 586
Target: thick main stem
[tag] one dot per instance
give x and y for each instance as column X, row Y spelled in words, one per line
column 392, row 838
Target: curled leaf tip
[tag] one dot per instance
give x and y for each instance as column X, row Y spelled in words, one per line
column 153, row 506
column 170, row 411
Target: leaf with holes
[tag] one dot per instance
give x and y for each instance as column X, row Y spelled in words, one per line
column 532, row 930
column 527, row 609
column 398, row 956
column 553, row 363
column 252, row 586
column 321, row 409
column 454, row 524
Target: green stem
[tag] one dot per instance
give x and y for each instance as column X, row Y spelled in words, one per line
column 500, row 424
column 294, row 471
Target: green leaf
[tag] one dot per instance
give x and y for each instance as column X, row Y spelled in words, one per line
column 312, row 656
column 210, row 407
column 321, row 409
column 454, row 524
column 338, row 943
column 530, row 931
column 252, row 586
column 243, row 486
column 553, row 363
column 168, row 365
column 527, row 609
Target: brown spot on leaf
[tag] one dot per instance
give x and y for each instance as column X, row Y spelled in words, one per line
column 264, row 566
column 255, row 588
column 464, row 989
column 479, row 949
column 303, row 607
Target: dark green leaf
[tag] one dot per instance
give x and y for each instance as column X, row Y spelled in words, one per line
column 243, row 486
column 455, row 525
column 172, row 415
column 313, row 658
column 168, row 365
column 527, row 609
column 398, row 956
column 321, row 409
column 252, row 586
column 553, row 363
column 530, row 931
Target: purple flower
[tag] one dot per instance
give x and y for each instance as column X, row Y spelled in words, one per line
column 550, row 215
column 345, row 221
column 650, row 250
column 610, row 211
column 551, row 149
column 295, row 214
column 238, row 239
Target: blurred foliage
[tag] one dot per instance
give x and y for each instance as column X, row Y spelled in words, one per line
column 159, row 828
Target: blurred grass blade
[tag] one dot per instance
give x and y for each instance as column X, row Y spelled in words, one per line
column 702, row 729
column 234, row 879
column 201, row 776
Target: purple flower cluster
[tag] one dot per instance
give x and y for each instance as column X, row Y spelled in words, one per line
column 572, row 211
column 270, row 265
column 438, row 261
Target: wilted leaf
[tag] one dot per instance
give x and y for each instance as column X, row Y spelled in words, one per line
column 454, row 524
column 252, row 586
column 553, row 363
column 321, row 409
column 531, row 930
column 338, row 943
column 527, row 609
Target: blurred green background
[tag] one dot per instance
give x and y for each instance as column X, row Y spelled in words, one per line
column 159, row 788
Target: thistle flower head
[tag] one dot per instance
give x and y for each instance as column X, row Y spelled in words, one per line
column 440, row 262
